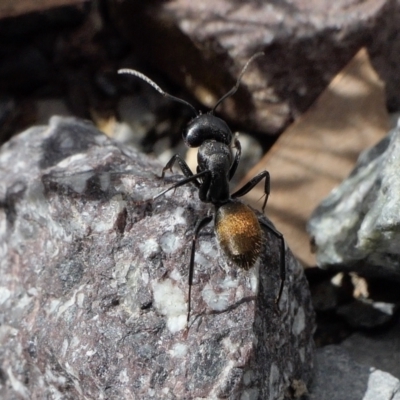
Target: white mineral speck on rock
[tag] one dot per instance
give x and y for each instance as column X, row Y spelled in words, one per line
column 79, row 182
column 110, row 214
column 69, row 303
column 3, row 223
column 302, row 353
column 24, row 302
column 64, row 347
column 4, row 294
column 201, row 260
column 206, row 247
column 75, row 341
column 91, row 353
column 105, row 182
column 254, row 277
column 123, row 261
column 175, row 275
column 123, row 376
column 71, row 160
column 53, row 305
column 231, row 347
column 145, row 277
column 170, row 242
column 71, row 371
column 149, row 248
column 229, row 283
column 177, row 215
column 80, row 299
column 169, row 300
column 178, row 350
column 33, row 291
column 299, row 322
column 216, row 301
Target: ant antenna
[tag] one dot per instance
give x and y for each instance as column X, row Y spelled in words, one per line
column 236, row 87
column 155, row 86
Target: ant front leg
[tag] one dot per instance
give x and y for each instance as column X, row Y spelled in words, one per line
column 199, row 226
column 192, row 178
column 183, row 166
column 253, row 182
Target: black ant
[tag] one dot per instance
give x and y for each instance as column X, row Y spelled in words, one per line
column 237, row 227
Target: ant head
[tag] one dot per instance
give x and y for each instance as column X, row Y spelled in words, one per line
column 206, row 127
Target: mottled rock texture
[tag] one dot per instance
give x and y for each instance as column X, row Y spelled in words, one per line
column 357, row 227
column 93, row 291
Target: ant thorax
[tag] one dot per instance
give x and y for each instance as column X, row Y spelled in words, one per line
column 215, row 157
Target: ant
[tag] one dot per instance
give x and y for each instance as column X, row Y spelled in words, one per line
column 237, row 228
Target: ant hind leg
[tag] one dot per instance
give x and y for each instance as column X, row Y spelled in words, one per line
column 282, row 256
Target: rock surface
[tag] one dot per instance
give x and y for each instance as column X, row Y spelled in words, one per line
column 93, row 294
column 338, row 377
column 357, row 226
column 380, row 349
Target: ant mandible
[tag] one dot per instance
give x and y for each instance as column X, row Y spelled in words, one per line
column 238, row 229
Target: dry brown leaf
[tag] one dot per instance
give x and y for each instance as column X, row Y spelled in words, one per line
column 320, row 149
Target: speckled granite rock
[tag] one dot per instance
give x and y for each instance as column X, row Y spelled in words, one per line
column 357, row 227
column 93, row 290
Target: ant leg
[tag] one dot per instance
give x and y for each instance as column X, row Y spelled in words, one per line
column 183, row 166
column 183, row 182
column 279, row 235
column 235, row 163
column 253, row 182
column 199, row 226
